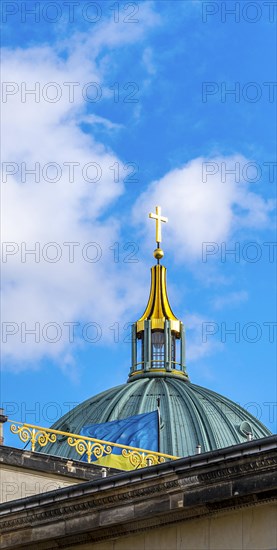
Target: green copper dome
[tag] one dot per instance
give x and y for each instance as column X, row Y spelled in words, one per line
column 190, row 415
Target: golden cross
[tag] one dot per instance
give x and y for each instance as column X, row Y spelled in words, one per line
column 158, row 219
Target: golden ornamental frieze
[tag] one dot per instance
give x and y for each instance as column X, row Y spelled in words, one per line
column 35, row 436
column 91, row 448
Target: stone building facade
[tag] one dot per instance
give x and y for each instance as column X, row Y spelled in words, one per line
column 220, row 500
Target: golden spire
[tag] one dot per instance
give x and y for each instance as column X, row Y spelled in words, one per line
column 158, row 253
column 158, row 309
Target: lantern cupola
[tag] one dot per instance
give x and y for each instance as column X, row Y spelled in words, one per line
column 158, row 339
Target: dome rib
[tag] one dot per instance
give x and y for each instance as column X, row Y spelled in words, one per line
column 239, row 412
column 144, row 406
column 223, row 418
column 212, row 428
column 190, row 415
column 170, row 421
column 119, row 400
column 204, row 432
column 184, row 431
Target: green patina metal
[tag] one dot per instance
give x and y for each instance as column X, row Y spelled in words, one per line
column 190, row 415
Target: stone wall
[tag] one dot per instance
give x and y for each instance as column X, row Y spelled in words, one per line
column 17, row 483
column 23, row 473
column 221, row 500
column 252, row 528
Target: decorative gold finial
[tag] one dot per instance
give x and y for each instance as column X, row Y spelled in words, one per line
column 158, row 253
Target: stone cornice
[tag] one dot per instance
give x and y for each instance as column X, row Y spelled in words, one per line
column 239, row 469
column 40, row 462
column 143, row 499
column 209, row 464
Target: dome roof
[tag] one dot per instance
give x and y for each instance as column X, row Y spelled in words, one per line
column 190, row 415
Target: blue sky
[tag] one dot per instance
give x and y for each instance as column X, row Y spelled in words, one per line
column 132, row 110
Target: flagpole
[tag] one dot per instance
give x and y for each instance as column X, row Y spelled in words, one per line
column 159, row 423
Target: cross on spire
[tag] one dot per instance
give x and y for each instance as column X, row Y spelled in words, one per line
column 159, row 219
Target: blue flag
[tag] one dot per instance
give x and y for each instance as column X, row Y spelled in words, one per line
column 135, row 431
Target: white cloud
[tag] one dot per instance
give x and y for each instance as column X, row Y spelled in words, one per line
column 39, row 132
column 204, row 207
column 148, row 61
column 198, row 342
column 95, row 119
column 233, row 299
